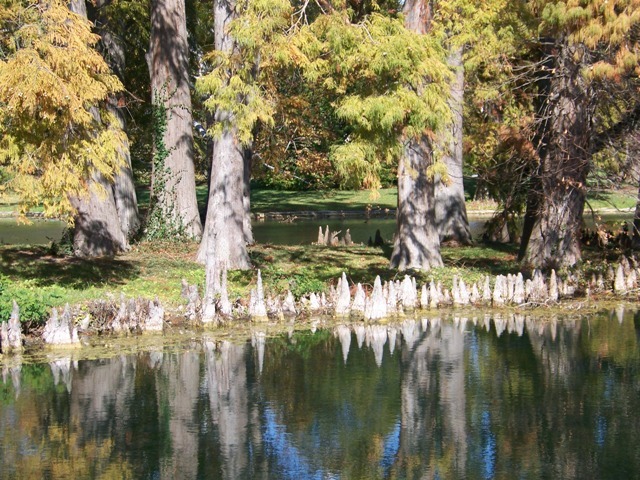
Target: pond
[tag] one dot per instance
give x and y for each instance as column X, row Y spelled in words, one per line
column 298, row 232
column 457, row 397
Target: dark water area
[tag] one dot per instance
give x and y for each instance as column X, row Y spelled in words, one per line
column 503, row 397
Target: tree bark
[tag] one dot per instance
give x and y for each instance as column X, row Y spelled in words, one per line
column 97, row 231
column 417, row 244
column 123, row 185
column 554, row 210
column 227, row 226
column 97, row 228
column 246, row 194
column 174, row 181
column 451, row 209
column 223, row 242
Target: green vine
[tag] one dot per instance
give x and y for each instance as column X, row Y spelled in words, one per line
column 160, row 223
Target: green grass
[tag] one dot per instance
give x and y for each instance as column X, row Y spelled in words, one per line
column 276, row 200
column 623, row 200
column 40, row 281
column 142, row 193
column 266, row 200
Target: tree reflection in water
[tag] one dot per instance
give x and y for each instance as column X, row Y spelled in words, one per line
column 464, row 397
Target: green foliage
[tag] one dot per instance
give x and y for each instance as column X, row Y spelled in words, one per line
column 235, row 84
column 602, row 26
column 35, row 302
column 390, row 84
column 383, row 82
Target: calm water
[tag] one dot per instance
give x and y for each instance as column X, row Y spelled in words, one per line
column 300, row 232
column 503, row 398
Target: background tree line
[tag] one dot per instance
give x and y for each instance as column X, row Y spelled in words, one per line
column 534, row 96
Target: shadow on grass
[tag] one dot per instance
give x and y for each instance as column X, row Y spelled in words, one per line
column 489, row 258
column 362, row 264
column 321, row 263
column 39, row 266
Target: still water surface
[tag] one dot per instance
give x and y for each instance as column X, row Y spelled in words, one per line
column 299, row 232
column 456, row 397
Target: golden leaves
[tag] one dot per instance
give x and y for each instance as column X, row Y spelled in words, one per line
column 51, row 84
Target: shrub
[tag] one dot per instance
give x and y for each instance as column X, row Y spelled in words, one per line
column 35, row 302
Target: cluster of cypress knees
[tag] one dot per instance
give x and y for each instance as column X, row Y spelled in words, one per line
column 386, row 300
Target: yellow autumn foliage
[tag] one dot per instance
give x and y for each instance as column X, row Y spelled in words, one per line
column 53, row 137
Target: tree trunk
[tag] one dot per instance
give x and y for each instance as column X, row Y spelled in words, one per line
column 555, row 208
column 124, row 190
column 223, row 243
column 97, row 229
column 451, row 210
column 417, row 244
column 173, row 182
column 227, row 226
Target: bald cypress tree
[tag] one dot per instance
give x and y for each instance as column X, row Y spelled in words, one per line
column 389, row 81
column 584, row 49
column 59, row 146
column 96, row 223
column 417, row 242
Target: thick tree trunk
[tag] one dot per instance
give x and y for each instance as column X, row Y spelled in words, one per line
column 554, row 210
column 417, row 244
column 123, row 186
column 174, row 180
column 451, row 210
column 227, row 226
column 223, row 242
column 97, row 230
column 124, row 190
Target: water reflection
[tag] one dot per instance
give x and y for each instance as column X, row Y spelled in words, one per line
column 508, row 396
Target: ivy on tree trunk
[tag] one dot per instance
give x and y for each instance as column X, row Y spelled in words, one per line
column 173, row 182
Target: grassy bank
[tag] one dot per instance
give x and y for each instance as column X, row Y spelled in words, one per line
column 39, row 280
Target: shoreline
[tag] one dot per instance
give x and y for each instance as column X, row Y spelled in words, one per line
column 181, row 336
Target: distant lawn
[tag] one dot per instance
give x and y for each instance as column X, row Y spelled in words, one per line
column 142, row 192
column 284, row 201
column 267, row 200
column 599, row 200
